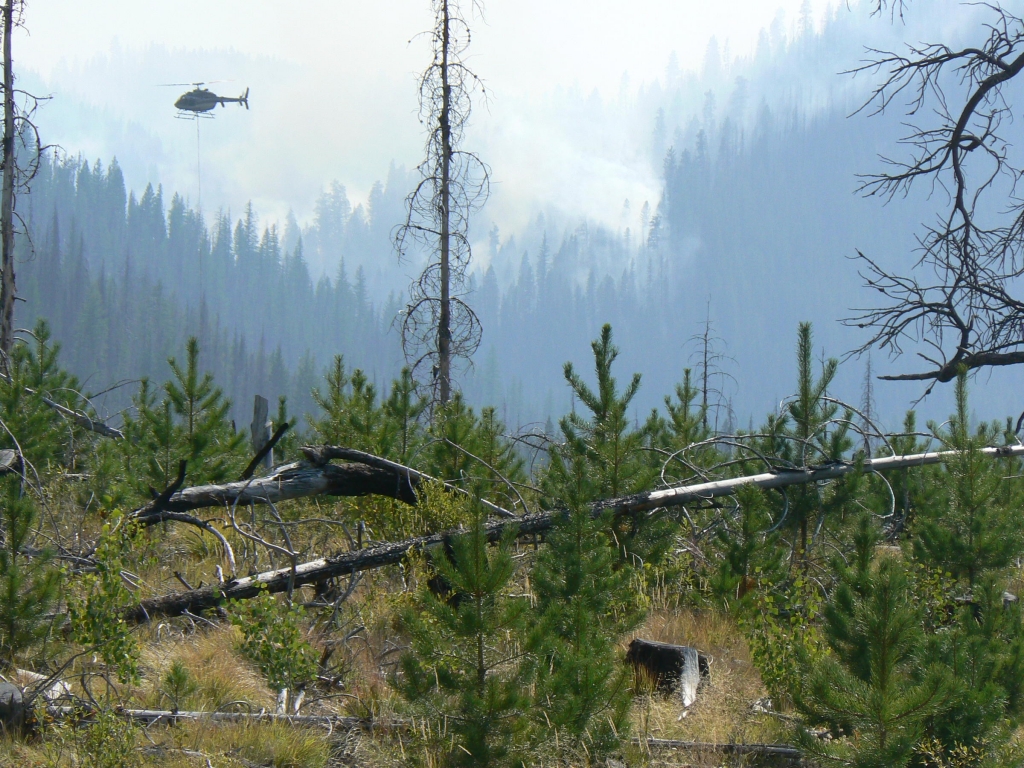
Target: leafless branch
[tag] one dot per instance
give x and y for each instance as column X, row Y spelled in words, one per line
column 959, row 298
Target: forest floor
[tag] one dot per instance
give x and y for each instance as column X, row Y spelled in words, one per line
column 358, row 646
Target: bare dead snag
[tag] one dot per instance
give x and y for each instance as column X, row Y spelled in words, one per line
column 264, row 452
column 438, row 326
column 7, row 285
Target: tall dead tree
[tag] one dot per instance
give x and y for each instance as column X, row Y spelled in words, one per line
column 711, row 373
column 438, row 326
column 7, row 286
column 19, row 163
column 961, row 297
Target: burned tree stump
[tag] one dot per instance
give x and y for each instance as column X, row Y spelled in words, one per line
column 13, row 711
column 672, row 667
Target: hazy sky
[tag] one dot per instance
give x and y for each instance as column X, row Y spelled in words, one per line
column 333, row 89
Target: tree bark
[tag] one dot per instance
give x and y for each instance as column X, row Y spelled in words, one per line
column 293, row 481
column 7, row 285
column 444, row 334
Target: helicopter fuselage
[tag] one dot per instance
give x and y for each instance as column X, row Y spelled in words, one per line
column 203, row 100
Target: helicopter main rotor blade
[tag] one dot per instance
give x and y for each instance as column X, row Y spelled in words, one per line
column 204, row 82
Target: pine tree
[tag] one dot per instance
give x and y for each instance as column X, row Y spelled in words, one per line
column 331, row 427
column 403, row 408
column 584, row 606
column 206, row 438
column 874, row 692
column 613, row 452
column 748, row 548
column 687, row 421
column 365, row 416
column 466, row 666
column 472, row 451
column 28, row 583
column 969, row 535
column 978, row 528
column 613, row 449
column 42, row 435
column 811, row 442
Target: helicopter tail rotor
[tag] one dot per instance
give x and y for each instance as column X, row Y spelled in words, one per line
column 244, row 98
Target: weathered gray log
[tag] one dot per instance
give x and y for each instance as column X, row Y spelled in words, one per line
column 377, row 476
column 10, row 461
column 293, row 481
column 343, row 564
column 150, row 716
column 81, row 419
column 337, row 722
column 298, row 480
column 782, row 478
column 784, row 751
column 367, row 475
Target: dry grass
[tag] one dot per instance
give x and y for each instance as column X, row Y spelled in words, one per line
column 363, row 645
column 272, row 745
column 722, row 712
column 220, row 675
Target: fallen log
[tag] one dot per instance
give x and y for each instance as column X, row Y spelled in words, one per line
column 301, row 479
column 784, row 751
column 170, row 717
column 289, row 481
column 322, row 454
column 342, row 564
column 366, row 475
column 782, row 478
column 372, row 475
column 339, row 722
column 81, row 419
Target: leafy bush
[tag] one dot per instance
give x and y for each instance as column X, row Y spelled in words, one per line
column 272, row 638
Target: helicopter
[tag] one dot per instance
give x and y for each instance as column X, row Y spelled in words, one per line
column 200, row 100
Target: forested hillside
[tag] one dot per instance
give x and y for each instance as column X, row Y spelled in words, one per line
column 123, row 280
column 754, row 230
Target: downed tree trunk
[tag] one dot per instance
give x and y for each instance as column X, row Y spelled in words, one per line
column 82, row 419
column 773, row 754
column 291, row 481
column 322, row 454
column 170, row 717
column 298, row 480
column 343, row 564
column 367, row 475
